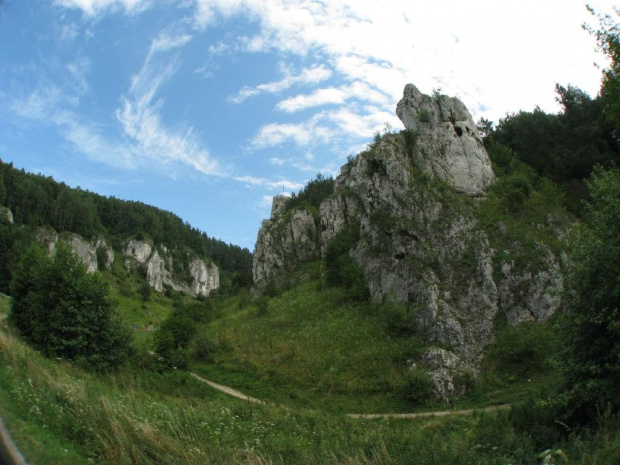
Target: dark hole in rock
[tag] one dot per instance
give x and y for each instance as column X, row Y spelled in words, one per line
column 459, row 131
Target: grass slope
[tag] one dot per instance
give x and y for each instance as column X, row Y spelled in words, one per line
column 59, row 414
column 312, row 347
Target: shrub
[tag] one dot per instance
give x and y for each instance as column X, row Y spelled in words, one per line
column 102, row 258
column 399, row 318
column 591, row 324
column 418, row 385
column 262, row 306
column 312, row 194
column 424, row 116
column 522, row 350
column 410, row 137
column 66, row 312
column 340, row 269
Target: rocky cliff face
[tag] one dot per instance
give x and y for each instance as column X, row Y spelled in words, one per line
column 411, row 200
column 283, row 240
column 202, row 278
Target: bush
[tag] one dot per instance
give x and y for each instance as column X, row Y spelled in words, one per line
column 66, row 312
column 262, row 305
column 312, row 194
column 591, row 324
column 399, row 318
column 522, row 350
column 102, row 258
column 340, row 269
column 418, row 386
column 411, row 138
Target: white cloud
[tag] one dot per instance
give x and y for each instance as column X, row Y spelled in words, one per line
column 357, row 90
column 313, row 75
column 167, row 41
column 48, row 105
column 68, row 32
column 388, row 44
column 95, row 7
column 263, row 182
column 79, row 72
column 302, row 134
column 277, row 161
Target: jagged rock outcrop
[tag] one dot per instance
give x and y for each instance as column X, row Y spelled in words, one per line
column 419, row 243
column 448, row 145
column 85, row 250
column 201, row 278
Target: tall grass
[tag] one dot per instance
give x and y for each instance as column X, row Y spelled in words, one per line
column 59, row 414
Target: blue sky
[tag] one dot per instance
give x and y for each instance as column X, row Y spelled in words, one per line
column 208, row 108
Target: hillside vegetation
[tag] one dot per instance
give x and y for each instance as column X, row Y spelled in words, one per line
column 319, row 342
column 36, row 201
column 62, row 415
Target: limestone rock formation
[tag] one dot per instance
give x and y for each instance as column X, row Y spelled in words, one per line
column 528, row 296
column 448, row 145
column 283, row 241
column 85, row 250
column 419, row 241
column 202, row 278
column 6, row 215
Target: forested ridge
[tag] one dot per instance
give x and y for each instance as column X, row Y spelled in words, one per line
column 36, row 200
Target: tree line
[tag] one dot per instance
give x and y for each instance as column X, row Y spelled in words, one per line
column 36, row 200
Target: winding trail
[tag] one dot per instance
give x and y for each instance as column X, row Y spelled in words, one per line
column 228, row 390
column 365, row 416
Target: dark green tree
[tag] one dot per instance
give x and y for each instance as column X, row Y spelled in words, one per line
column 591, row 324
column 313, row 193
column 2, row 189
column 608, row 41
column 65, row 312
column 173, row 338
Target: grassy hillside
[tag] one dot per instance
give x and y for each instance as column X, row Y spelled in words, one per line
column 59, row 414
column 312, row 346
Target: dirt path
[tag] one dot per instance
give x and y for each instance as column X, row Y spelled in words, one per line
column 227, row 390
column 443, row 413
column 367, row 416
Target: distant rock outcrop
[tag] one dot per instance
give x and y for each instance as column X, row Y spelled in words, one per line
column 201, row 278
column 86, row 250
column 6, row 215
column 419, row 243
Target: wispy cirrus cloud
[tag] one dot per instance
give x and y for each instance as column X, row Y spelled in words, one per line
column 49, row 105
column 140, row 113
